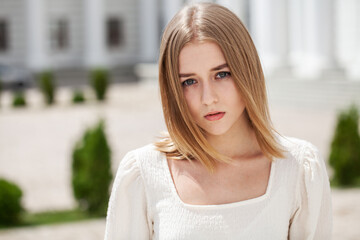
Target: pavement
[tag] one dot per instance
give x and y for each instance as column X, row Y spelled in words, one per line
column 36, row 145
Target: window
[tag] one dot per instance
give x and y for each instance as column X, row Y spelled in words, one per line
column 4, row 41
column 114, row 32
column 60, row 34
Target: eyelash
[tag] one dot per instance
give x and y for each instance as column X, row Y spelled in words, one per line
column 227, row 74
column 186, row 82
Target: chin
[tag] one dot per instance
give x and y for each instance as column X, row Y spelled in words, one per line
column 215, row 132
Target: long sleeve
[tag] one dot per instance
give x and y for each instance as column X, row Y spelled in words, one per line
column 127, row 216
column 313, row 216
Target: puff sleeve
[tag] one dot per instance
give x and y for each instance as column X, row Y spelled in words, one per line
column 127, row 216
column 313, row 216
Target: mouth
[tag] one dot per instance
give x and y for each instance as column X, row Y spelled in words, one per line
column 213, row 116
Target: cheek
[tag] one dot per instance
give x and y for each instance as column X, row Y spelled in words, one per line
column 240, row 102
column 191, row 101
column 237, row 101
column 232, row 94
column 238, row 97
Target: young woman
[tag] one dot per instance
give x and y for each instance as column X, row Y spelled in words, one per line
column 222, row 172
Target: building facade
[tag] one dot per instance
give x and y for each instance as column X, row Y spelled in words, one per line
column 308, row 39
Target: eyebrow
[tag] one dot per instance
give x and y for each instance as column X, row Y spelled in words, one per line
column 213, row 69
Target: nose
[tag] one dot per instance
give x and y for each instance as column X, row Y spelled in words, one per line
column 209, row 95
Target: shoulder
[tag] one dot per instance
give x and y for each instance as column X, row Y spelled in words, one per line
column 301, row 150
column 133, row 157
column 146, row 165
column 131, row 169
column 305, row 156
column 148, row 151
column 310, row 164
column 142, row 160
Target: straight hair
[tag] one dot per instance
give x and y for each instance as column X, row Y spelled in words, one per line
column 211, row 22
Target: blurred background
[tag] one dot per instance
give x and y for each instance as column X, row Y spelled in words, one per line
column 66, row 64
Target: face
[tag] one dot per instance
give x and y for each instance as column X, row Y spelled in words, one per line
column 213, row 99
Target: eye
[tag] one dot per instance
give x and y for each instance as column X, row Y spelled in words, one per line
column 222, row 75
column 188, row 82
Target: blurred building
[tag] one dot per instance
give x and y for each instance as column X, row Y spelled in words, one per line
column 301, row 38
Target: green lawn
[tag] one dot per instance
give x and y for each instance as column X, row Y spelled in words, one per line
column 51, row 217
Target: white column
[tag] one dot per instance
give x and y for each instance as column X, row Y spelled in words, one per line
column 318, row 40
column 296, row 33
column 281, row 36
column 354, row 70
column 260, row 14
column 170, row 8
column 270, row 33
column 327, row 31
column 94, row 38
column 149, row 30
column 331, row 69
column 37, row 35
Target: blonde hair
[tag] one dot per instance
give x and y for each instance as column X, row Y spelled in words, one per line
column 211, row 22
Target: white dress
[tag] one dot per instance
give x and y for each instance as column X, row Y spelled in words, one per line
column 144, row 203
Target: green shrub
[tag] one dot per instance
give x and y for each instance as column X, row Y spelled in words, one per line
column 99, row 82
column 47, row 86
column 91, row 171
column 10, row 203
column 19, row 99
column 78, row 96
column 345, row 149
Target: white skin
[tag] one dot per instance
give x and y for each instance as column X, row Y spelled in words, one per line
column 208, row 87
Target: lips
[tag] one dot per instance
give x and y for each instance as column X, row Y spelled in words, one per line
column 213, row 116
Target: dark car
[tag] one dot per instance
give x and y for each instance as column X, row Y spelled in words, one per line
column 15, row 76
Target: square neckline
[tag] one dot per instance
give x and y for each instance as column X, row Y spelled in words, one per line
column 217, row 206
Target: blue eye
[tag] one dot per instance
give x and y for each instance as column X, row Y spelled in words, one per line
column 223, row 74
column 188, row 82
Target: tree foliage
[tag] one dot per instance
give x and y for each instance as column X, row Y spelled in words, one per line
column 10, row 203
column 345, row 149
column 91, row 170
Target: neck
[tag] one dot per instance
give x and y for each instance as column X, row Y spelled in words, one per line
column 238, row 143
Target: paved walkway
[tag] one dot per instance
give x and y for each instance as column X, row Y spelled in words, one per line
column 86, row 230
column 36, row 145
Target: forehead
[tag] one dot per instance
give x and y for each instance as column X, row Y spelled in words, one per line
column 200, row 56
